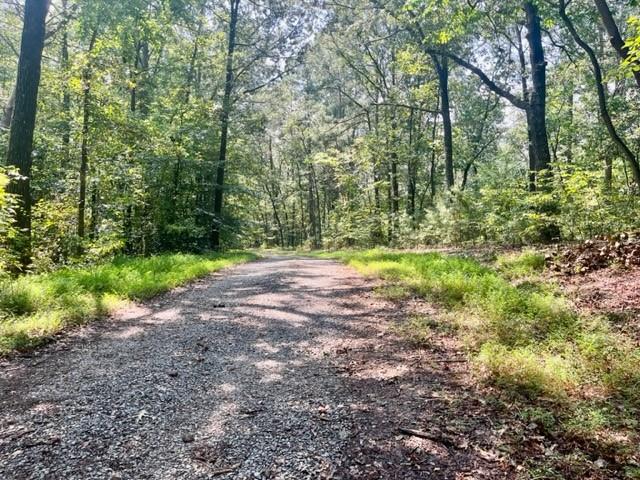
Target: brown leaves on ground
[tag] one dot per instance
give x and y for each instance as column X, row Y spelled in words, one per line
column 597, row 253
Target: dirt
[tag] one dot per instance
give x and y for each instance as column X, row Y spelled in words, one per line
column 285, row 368
column 613, row 292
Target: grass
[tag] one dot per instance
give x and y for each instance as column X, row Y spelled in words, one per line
column 523, row 336
column 33, row 308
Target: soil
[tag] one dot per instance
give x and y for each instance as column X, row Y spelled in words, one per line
column 613, row 292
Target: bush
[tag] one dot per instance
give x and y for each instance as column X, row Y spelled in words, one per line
column 6, row 230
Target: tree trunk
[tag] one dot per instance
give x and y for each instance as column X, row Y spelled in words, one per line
column 442, row 68
column 84, row 152
column 84, row 148
column 525, row 96
column 537, row 114
column 224, row 128
column 412, row 173
column 19, row 152
column 95, row 200
column 66, row 94
column 615, row 38
column 535, row 107
column 602, row 97
column 312, row 208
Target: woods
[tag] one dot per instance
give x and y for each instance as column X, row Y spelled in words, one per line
column 475, row 164
column 195, row 125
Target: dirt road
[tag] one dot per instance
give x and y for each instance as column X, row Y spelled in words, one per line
column 283, row 368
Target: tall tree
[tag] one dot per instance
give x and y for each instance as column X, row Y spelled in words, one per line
column 19, row 153
column 603, row 106
column 218, row 193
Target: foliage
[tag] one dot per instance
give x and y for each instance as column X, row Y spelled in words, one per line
column 33, row 308
column 6, row 229
column 633, row 44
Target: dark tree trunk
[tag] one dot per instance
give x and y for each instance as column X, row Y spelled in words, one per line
column 535, row 107
column 525, row 96
column 465, row 175
column 395, row 188
column 313, row 211
column 84, row 148
column 94, row 219
column 224, row 128
column 139, row 79
column 19, row 152
column 66, row 94
column 442, row 68
column 617, row 42
column 143, row 79
column 412, row 173
column 537, row 114
column 602, row 98
column 84, row 152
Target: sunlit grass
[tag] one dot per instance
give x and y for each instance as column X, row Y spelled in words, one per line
column 35, row 307
column 523, row 336
column 520, row 264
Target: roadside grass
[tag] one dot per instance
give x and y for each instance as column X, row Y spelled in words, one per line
column 33, row 308
column 524, row 337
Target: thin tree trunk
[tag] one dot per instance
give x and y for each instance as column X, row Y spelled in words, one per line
column 525, row 96
column 84, row 154
column 224, row 128
column 442, row 68
column 19, row 152
column 84, row 148
column 602, row 97
column 412, row 173
column 95, row 200
column 66, row 93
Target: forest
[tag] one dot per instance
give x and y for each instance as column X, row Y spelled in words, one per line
column 480, row 156
column 196, row 125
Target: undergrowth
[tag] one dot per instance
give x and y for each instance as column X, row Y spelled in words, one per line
column 35, row 307
column 524, row 337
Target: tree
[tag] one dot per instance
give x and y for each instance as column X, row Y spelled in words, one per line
column 20, row 149
column 602, row 96
column 615, row 38
column 224, row 124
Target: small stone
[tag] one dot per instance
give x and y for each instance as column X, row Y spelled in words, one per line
column 173, row 374
column 188, row 438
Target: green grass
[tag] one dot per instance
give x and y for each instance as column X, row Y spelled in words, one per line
column 35, row 307
column 521, row 264
column 523, row 336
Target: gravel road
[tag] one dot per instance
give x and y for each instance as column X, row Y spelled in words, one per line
column 246, row 374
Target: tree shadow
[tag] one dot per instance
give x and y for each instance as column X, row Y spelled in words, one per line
column 286, row 368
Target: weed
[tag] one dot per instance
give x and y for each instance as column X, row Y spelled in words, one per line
column 35, row 307
column 521, row 264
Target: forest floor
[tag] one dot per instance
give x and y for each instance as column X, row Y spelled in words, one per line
column 288, row 367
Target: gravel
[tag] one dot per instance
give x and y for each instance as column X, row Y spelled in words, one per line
column 230, row 377
column 286, row 368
